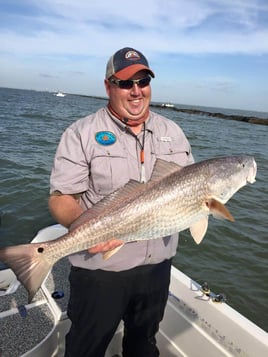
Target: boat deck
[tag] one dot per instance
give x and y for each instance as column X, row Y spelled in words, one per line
column 193, row 325
column 24, row 325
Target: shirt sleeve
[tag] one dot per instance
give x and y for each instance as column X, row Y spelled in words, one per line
column 70, row 171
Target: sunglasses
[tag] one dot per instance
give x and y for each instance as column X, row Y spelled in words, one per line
column 129, row 83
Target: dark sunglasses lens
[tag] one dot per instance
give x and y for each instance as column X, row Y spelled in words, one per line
column 125, row 84
column 144, row 82
column 128, row 84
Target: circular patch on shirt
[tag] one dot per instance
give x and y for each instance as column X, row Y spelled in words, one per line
column 105, row 138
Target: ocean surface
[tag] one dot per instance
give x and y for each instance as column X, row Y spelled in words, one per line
column 233, row 258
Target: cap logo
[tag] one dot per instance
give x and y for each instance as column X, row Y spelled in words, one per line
column 132, row 55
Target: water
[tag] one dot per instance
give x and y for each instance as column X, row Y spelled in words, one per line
column 233, row 256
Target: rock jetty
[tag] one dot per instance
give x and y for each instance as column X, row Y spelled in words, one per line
column 247, row 119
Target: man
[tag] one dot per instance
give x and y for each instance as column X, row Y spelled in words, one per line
column 97, row 155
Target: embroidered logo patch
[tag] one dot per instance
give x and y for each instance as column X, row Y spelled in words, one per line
column 105, row 138
column 132, row 55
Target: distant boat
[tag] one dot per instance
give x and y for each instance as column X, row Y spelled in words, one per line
column 60, row 94
column 168, row 105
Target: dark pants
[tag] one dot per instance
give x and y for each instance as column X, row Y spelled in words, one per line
column 99, row 300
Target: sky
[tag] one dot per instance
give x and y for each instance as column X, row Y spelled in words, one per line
column 210, row 53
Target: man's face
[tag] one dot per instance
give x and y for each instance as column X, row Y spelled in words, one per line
column 130, row 103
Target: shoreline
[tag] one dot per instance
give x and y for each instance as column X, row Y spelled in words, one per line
column 243, row 118
column 246, row 119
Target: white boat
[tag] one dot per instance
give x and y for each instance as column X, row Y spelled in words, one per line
column 194, row 325
column 168, row 105
column 60, row 94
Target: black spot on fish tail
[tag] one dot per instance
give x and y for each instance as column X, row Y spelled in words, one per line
column 29, row 263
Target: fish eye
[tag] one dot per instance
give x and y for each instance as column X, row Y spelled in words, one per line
column 40, row 250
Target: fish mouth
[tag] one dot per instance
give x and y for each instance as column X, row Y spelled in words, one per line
column 252, row 173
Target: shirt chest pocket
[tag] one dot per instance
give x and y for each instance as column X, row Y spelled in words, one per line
column 108, row 168
column 171, row 149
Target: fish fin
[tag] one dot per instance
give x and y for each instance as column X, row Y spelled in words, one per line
column 28, row 263
column 218, row 210
column 198, row 230
column 85, row 217
column 163, row 168
column 111, row 252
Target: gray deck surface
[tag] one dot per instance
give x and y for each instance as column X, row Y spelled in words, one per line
column 19, row 334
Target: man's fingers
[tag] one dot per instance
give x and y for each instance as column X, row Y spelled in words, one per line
column 105, row 246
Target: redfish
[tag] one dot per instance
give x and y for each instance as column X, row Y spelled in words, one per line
column 176, row 198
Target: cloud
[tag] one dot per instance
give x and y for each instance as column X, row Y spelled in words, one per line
column 215, row 48
column 219, row 84
column 83, row 28
column 46, row 75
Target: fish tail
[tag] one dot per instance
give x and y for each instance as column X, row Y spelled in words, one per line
column 28, row 263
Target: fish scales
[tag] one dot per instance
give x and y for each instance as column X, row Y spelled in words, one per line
column 173, row 200
column 164, row 209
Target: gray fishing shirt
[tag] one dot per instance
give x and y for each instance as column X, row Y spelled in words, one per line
column 97, row 155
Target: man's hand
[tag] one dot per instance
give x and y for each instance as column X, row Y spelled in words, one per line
column 106, row 246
